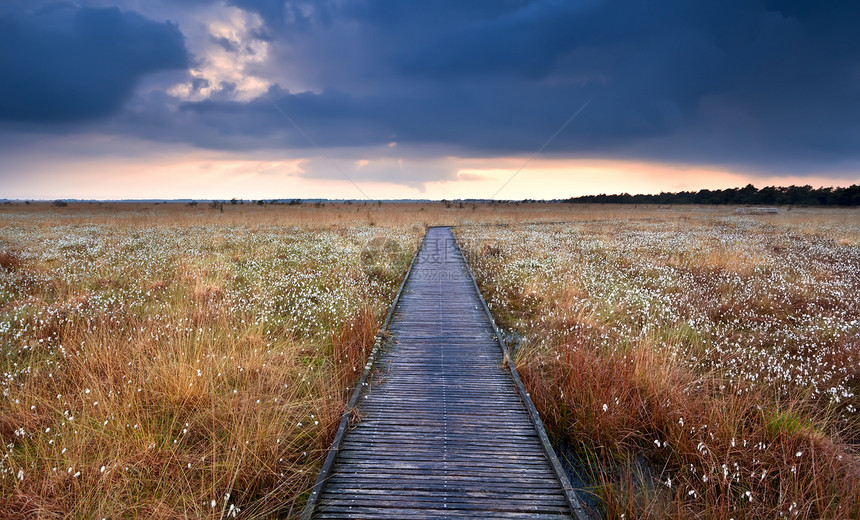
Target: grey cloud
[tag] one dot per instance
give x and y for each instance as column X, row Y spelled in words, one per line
column 768, row 86
column 67, row 63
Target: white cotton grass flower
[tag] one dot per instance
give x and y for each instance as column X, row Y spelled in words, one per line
column 716, row 296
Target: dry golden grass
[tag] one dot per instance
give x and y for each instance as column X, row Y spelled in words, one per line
column 304, row 215
column 705, row 365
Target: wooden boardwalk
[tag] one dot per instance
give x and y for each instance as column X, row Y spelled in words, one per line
column 443, row 431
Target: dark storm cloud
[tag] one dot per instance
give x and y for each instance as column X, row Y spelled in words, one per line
column 733, row 82
column 67, row 63
column 753, row 84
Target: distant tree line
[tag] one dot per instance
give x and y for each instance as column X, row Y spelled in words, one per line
column 748, row 195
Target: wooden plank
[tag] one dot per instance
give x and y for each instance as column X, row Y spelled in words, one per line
column 373, row 494
column 545, row 487
column 539, row 505
column 376, row 513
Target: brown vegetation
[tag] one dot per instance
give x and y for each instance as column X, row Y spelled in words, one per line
column 700, row 365
column 169, row 365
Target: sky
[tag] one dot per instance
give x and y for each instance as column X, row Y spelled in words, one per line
column 445, row 99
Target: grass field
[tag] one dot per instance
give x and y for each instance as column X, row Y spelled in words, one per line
column 165, row 361
column 703, row 364
column 181, row 363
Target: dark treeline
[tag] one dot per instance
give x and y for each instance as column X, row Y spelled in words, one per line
column 771, row 195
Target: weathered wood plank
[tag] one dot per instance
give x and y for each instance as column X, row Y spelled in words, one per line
column 375, row 513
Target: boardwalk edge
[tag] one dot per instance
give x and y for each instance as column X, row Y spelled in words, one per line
column 575, row 504
column 311, row 504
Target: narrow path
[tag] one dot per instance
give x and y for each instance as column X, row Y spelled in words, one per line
column 443, row 432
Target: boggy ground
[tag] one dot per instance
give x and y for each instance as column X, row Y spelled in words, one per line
column 702, row 364
column 181, row 362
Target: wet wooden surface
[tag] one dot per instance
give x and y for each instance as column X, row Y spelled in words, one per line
column 442, row 431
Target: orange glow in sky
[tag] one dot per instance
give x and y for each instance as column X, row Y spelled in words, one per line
column 208, row 175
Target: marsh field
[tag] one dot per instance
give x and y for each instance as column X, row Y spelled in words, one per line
column 166, row 361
